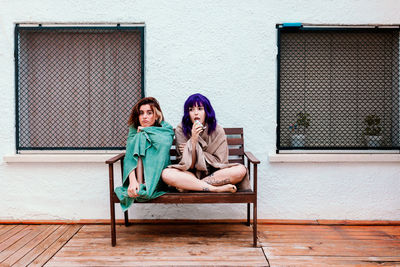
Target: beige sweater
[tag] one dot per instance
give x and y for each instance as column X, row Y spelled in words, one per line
column 210, row 149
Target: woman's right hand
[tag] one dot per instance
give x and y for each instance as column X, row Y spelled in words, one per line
column 181, row 147
column 139, row 128
column 196, row 131
column 133, row 188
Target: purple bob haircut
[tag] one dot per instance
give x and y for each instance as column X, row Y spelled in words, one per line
column 210, row 119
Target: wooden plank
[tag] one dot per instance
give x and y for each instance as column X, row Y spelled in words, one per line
column 200, row 197
column 162, row 229
column 178, row 239
column 56, row 246
column 358, row 222
column 223, row 244
column 275, row 222
column 26, row 248
column 141, row 249
column 336, row 230
column 16, row 246
column 14, row 235
column 156, row 261
column 235, row 141
column 239, row 197
column 42, row 246
column 232, row 131
column 332, row 249
column 322, row 245
column 177, row 230
column 6, row 228
column 332, row 261
column 12, row 231
column 236, row 151
column 342, row 232
column 169, row 244
column 241, row 161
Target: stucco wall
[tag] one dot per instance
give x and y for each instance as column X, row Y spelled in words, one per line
column 227, row 51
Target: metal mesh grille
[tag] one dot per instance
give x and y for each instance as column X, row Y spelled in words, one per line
column 339, row 89
column 76, row 86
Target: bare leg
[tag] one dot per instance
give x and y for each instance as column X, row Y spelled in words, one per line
column 231, row 175
column 188, row 181
column 139, row 171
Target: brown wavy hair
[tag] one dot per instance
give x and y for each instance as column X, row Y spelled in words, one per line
column 154, row 105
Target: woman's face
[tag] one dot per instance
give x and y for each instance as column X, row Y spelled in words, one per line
column 147, row 117
column 197, row 113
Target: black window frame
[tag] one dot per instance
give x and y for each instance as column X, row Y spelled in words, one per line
column 117, row 27
column 298, row 27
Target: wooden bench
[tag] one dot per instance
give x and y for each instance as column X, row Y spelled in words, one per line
column 236, row 155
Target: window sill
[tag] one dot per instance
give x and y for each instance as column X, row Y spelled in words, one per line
column 290, row 158
column 65, row 158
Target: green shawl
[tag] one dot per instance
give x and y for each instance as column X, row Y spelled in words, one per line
column 152, row 144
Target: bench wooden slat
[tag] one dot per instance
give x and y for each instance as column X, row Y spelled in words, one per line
column 235, row 141
column 236, row 151
column 233, row 130
column 200, row 197
column 241, row 161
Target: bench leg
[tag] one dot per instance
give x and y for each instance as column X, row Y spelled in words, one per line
column 248, row 214
column 113, row 233
column 255, row 224
column 112, row 204
column 126, row 218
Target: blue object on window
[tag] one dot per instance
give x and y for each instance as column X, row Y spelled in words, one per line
column 292, row 25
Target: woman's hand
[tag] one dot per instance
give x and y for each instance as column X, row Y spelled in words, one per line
column 181, row 147
column 133, row 187
column 139, row 128
column 197, row 129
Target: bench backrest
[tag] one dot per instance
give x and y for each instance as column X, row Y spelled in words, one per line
column 235, row 145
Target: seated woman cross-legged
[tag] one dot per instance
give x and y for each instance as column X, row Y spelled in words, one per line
column 203, row 152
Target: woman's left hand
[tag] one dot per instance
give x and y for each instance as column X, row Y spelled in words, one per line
column 139, row 128
column 133, row 188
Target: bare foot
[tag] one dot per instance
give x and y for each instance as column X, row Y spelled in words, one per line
column 226, row 188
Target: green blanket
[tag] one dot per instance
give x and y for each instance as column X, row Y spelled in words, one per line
column 152, row 144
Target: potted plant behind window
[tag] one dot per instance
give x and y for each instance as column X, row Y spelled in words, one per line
column 298, row 129
column 373, row 130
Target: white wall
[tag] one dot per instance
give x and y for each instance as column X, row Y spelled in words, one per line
column 227, row 51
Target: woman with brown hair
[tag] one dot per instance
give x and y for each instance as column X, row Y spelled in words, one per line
column 147, row 153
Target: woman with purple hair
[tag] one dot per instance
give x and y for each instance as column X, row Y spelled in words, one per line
column 203, row 152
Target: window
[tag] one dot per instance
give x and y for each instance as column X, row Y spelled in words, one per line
column 338, row 88
column 76, row 86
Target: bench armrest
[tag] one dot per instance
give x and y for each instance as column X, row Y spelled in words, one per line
column 251, row 157
column 115, row 158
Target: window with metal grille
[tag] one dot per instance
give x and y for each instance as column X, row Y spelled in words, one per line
column 75, row 86
column 338, row 88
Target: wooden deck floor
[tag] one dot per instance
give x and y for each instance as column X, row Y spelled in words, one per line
column 199, row 244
